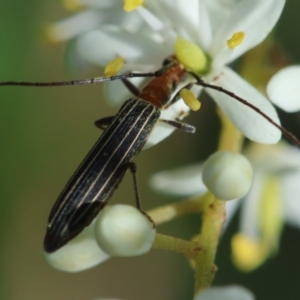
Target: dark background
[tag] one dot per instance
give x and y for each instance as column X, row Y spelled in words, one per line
column 45, row 133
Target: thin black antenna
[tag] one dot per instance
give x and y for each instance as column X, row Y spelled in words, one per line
column 83, row 81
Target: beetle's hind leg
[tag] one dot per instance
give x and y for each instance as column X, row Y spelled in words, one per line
column 133, row 170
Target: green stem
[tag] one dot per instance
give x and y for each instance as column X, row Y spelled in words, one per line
column 213, row 217
column 189, row 249
column 212, row 224
column 169, row 212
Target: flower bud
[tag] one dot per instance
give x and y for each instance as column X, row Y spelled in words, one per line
column 122, row 230
column 227, row 175
column 79, row 254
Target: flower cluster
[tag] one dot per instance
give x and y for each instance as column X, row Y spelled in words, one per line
column 147, row 35
column 205, row 36
column 270, row 202
column 120, row 230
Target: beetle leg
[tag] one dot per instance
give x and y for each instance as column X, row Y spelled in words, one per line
column 131, row 87
column 177, row 95
column 133, row 170
column 180, row 125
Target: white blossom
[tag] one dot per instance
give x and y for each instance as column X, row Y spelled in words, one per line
column 271, row 201
column 147, row 35
column 119, row 230
column 122, row 230
column 228, row 175
column 79, row 254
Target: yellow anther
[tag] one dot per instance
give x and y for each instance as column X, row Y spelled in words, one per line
column 130, row 5
column 73, row 5
column 236, row 39
column 247, row 254
column 114, row 66
column 190, row 100
column 190, row 55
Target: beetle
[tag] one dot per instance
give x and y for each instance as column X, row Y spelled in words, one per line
column 100, row 173
column 95, row 180
column 125, row 134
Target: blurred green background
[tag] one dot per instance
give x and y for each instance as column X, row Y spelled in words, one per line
column 44, row 135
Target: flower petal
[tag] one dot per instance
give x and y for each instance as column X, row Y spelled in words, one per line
column 250, row 217
column 72, row 26
column 255, row 18
column 231, row 292
column 284, row 89
column 79, row 254
column 219, row 11
column 248, row 121
column 279, row 159
column 205, row 34
column 161, row 29
column 176, row 13
column 100, row 46
column 186, row 181
column 283, row 161
column 231, row 208
column 291, row 192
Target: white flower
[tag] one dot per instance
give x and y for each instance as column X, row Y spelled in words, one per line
column 93, row 14
column 120, row 230
column 233, row 292
column 184, row 181
column 79, row 254
column 228, row 175
column 272, row 200
column 147, row 35
column 284, row 89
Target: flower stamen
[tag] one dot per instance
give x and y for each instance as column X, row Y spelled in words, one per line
column 247, row 253
column 236, row 39
column 114, row 66
column 190, row 55
column 190, row 100
column 130, row 5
